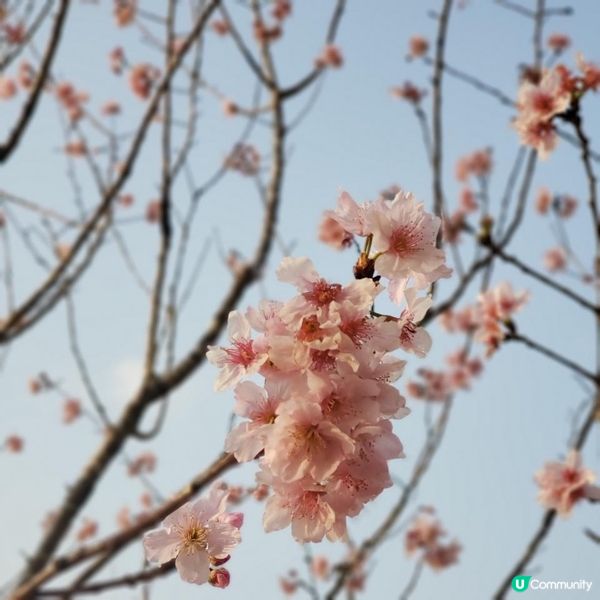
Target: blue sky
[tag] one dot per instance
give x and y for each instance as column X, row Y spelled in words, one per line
column 356, row 138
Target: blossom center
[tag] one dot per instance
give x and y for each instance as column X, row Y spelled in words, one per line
column 323, row 293
column 406, row 240
column 241, row 353
column 195, row 538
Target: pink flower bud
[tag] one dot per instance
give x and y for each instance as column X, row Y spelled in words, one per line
column 219, row 578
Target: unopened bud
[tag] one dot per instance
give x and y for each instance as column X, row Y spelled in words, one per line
column 219, row 578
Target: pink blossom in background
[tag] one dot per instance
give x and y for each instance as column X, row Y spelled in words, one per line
column 417, row 46
column 111, row 108
column 424, row 532
column 154, row 211
column 126, row 200
column 543, row 200
column 282, row 9
column 320, row 567
column 8, row 88
column 425, row 535
column 563, row 484
column 14, row 444
column 142, row 79
column 124, row 12
column 71, row 100
column 229, row 108
column 333, row 234
column 76, row 149
column 567, row 205
column 116, row 59
column 467, row 201
column 26, row 75
column 555, row 259
column 14, row 34
column 477, row 164
column 195, row 535
column 558, row 42
column 245, row 159
column 331, row 56
column 409, row 92
column 143, row 463
column 265, row 34
column 220, row 27
column 442, row 556
column 87, row 530
column 71, row 410
column 590, row 73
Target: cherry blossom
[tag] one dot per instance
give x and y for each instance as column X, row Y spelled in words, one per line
column 243, row 357
column 195, row 535
column 563, row 484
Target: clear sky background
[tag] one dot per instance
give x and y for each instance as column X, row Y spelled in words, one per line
column 358, row 138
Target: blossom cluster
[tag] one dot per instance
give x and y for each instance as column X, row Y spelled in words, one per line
column 425, row 535
column 489, row 318
column 547, row 95
column 320, row 423
column 563, row 484
column 439, row 385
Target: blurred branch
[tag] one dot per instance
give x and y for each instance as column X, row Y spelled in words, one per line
column 7, row 148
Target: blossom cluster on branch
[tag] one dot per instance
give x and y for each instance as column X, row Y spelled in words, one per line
column 320, row 423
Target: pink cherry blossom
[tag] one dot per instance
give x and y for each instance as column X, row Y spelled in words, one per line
column 14, row 444
column 333, row 234
column 442, row 556
column 220, row 27
column 543, row 200
column 142, row 79
column 563, row 484
column 408, row 91
column 8, row 88
column 331, row 56
column 124, row 12
column 477, row 164
column 244, row 357
column 555, row 259
column 424, row 532
column 259, row 405
column 558, row 42
column 567, row 205
column 71, row 410
column 194, row 535
column 413, row 338
column 404, row 236
column 418, row 46
column 303, row 444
